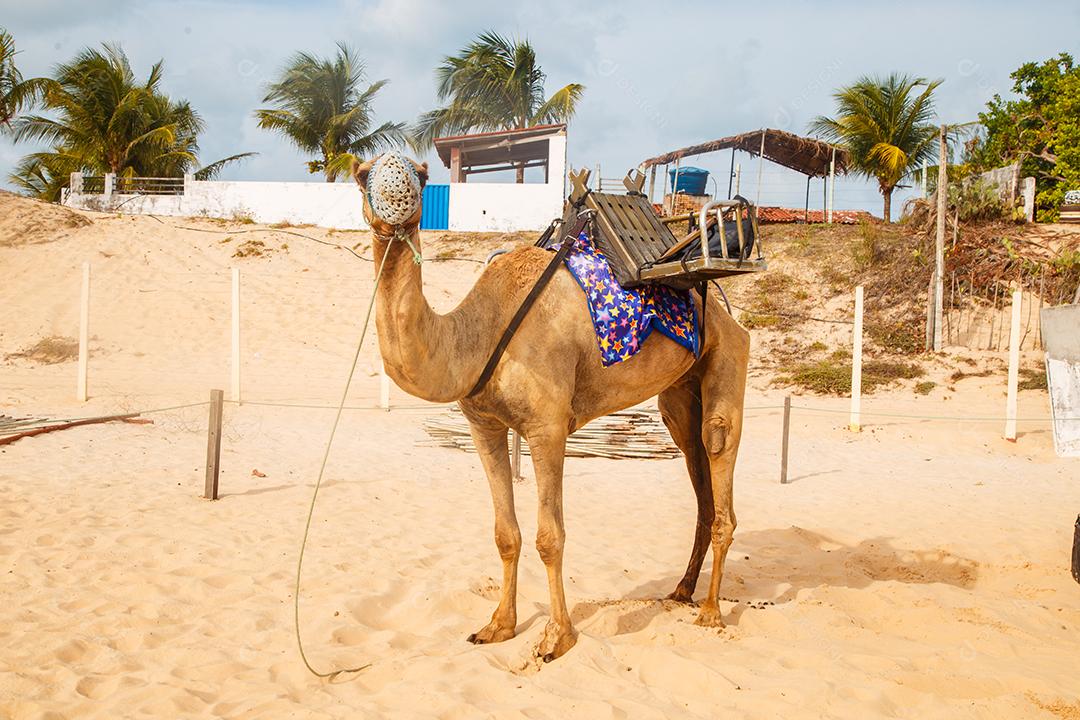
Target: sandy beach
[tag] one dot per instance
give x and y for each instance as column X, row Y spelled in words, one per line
column 918, row 569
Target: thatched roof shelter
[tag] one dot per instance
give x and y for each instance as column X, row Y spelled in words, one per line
column 805, row 155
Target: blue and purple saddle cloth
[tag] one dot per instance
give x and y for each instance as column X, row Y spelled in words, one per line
column 624, row 318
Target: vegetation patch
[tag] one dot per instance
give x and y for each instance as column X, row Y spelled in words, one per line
column 252, row 248
column 832, row 375
column 775, row 295
column 1032, row 379
column 49, row 351
column 896, row 336
column 960, row 374
column 751, row 321
column 924, row 387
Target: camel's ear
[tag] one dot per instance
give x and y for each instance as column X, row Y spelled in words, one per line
column 360, row 173
column 422, row 172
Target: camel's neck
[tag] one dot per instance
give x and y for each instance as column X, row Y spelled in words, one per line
column 432, row 356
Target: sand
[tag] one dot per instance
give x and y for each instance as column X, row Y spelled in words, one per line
column 917, row 569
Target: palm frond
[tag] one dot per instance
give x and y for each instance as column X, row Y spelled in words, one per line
column 211, row 171
column 493, row 83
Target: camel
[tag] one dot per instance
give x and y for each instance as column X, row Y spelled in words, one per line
column 548, row 383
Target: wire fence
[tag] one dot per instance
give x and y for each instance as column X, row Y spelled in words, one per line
column 289, row 331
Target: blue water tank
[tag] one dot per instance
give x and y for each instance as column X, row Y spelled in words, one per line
column 691, row 180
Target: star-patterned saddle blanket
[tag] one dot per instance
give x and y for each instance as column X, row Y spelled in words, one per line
column 623, row 318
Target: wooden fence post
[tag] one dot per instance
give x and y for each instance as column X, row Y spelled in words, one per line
column 213, row 445
column 84, row 333
column 515, row 456
column 854, row 424
column 236, row 334
column 784, row 442
column 1014, row 367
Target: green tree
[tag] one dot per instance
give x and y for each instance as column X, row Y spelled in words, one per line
column 885, row 124
column 103, row 121
column 323, row 109
column 494, row 83
column 16, row 93
column 1040, row 129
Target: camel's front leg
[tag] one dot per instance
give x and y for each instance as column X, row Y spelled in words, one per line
column 492, row 447
column 548, row 447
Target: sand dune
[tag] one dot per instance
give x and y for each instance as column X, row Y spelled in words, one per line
column 918, row 569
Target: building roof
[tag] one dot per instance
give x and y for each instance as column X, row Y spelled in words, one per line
column 500, row 146
column 793, row 215
column 805, row 155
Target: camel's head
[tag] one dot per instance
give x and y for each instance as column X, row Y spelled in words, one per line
column 392, row 186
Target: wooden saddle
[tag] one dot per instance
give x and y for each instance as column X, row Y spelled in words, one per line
column 641, row 248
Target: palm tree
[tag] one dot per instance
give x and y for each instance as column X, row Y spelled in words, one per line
column 884, row 124
column 15, row 92
column 494, row 83
column 103, row 121
column 323, row 110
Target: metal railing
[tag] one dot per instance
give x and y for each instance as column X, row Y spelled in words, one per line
column 148, row 186
column 93, row 184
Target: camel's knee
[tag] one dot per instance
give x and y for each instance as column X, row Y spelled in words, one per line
column 717, row 436
column 508, row 541
column 549, row 543
column 723, row 530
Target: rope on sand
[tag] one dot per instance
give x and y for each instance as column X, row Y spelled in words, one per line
column 331, row 674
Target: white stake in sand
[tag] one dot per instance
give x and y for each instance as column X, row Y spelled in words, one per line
column 84, row 333
column 384, row 388
column 856, row 364
column 1014, row 367
column 236, row 334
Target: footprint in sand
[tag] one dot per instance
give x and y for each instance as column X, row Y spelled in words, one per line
column 73, row 651
column 97, row 687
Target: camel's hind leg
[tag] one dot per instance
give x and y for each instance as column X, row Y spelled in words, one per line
column 723, row 384
column 492, row 447
column 680, row 407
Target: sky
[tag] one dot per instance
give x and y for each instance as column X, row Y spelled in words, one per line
column 657, row 77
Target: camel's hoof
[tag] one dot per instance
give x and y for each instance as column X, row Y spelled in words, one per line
column 555, row 642
column 709, row 617
column 491, row 634
column 681, row 596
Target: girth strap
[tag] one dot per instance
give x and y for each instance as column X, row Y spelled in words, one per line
column 527, row 303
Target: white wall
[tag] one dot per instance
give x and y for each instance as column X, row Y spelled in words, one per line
column 502, row 207
column 507, row 207
column 336, row 205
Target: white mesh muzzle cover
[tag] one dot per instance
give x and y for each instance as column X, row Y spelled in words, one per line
column 393, row 188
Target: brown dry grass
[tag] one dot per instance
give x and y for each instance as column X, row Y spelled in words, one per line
column 49, row 351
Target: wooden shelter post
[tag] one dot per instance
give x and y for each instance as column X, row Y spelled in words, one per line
column 824, row 196
column 731, row 174
column 456, row 175
column 806, row 208
column 760, row 167
column 832, row 184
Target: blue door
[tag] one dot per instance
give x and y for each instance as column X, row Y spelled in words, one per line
column 436, row 212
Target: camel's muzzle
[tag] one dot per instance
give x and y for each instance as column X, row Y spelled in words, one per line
column 393, row 188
